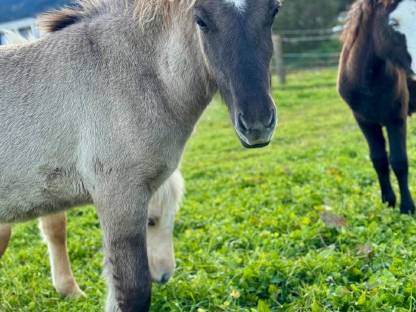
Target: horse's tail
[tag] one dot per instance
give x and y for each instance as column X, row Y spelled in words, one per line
column 13, row 37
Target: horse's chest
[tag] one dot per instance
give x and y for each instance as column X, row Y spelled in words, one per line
column 378, row 104
column 379, row 112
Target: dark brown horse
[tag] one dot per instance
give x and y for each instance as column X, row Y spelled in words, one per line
column 377, row 82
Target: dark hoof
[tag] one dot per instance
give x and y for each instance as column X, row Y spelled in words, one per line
column 407, row 208
column 138, row 305
column 389, row 199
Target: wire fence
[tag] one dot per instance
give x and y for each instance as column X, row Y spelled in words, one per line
column 303, row 49
column 294, row 49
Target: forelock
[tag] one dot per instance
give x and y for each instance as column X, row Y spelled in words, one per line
column 240, row 5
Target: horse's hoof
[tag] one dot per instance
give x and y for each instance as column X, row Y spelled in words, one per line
column 71, row 291
column 407, row 208
column 76, row 294
column 389, row 199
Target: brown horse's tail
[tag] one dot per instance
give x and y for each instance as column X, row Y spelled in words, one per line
column 411, row 84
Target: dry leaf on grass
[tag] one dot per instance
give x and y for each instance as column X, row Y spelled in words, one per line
column 332, row 220
column 365, row 250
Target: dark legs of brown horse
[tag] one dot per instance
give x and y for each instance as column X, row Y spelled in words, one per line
column 399, row 162
column 378, row 154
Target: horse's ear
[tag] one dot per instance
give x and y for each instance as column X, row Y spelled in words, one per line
column 57, row 20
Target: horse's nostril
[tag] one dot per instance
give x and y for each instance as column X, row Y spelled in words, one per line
column 241, row 123
column 165, row 278
column 272, row 121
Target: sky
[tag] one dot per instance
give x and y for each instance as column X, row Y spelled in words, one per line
column 16, row 9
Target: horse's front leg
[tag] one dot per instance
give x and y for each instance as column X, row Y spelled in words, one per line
column 122, row 210
column 378, row 154
column 398, row 158
column 5, row 233
column 53, row 228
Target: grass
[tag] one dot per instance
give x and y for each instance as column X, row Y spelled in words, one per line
column 297, row 226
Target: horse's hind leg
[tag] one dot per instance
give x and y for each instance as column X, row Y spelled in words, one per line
column 400, row 164
column 5, row 233
column 53, row 228
column 378, row 154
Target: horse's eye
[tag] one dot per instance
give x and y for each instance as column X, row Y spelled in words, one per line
column 151, row 222
column 273, row 17
column 202, row 25
column 275, row 12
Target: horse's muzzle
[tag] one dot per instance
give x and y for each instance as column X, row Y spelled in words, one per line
column 255, row 135
column 163, row 279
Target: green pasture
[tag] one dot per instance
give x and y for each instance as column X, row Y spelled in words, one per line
column 297, row 226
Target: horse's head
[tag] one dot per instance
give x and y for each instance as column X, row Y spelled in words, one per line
column 236, row 38
column 394, row 33
column 161, row 214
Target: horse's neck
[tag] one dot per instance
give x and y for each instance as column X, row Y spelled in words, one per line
column 175, row 56
column 184, row 73
column 359, row 59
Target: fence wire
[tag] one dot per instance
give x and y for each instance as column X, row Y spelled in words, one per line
column 310, row 48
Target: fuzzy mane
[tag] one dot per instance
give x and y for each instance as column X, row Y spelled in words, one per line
column 144, row 11
column 59, row 19
column 359, row 14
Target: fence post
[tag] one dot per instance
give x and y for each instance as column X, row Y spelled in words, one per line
column 278, row 52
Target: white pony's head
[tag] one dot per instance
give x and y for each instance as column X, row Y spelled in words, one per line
column 162, row 211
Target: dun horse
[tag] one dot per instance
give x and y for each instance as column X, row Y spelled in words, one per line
column 376, row 79
column 161, row 218
column 100, row 110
